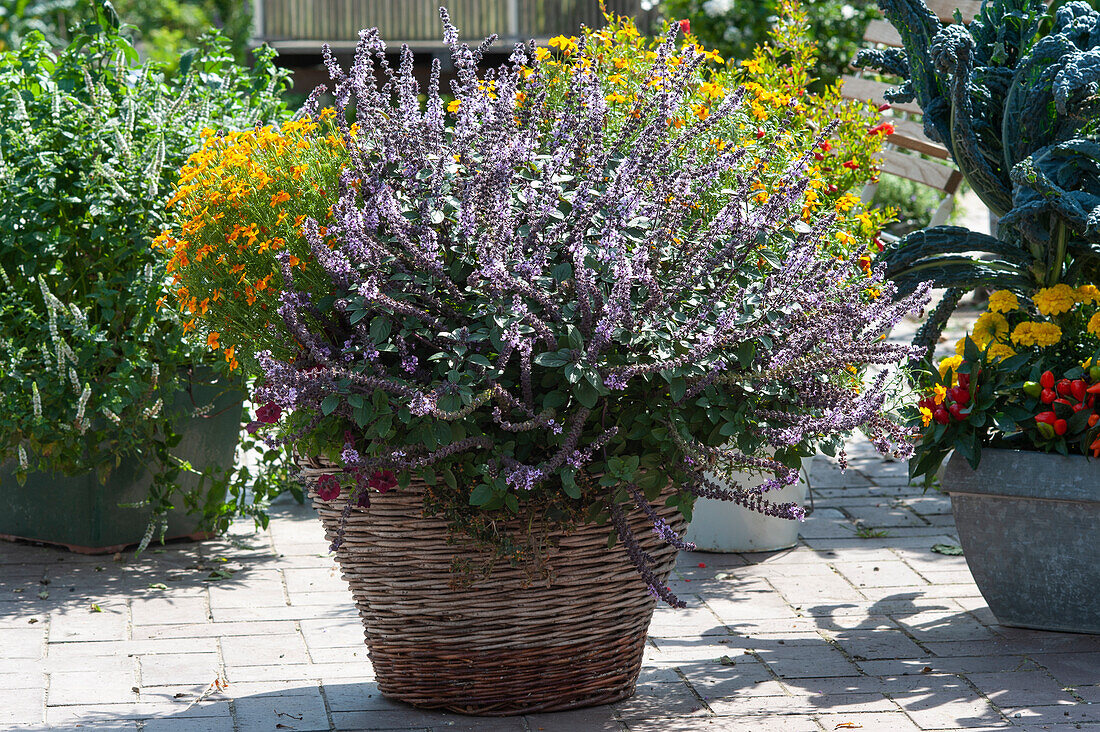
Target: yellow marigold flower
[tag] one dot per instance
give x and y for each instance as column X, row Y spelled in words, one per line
column 1003, row 301
column 752, row 65
column 1094, row 325
column 989, row 327
column 950, row 363
column 620, row 63
column 700, row 111
column 1087, row 294
column 925, row 416
column 939, row 393
column 453, row 106
column 1055, row 300
column 1000, row 351
column 710, row 90
column 615, row 98
column 1036, row 334
column 563, row 44
column 212, row 340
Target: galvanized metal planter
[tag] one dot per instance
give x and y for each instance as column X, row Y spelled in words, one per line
column 1029, row 523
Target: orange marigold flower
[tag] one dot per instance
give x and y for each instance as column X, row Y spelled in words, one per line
column 212, row 340
column 189, row 326
column 280, row 197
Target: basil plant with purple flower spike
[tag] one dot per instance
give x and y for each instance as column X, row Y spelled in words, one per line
column 539, row 310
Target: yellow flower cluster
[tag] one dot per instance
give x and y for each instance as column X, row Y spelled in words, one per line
column 240, row 203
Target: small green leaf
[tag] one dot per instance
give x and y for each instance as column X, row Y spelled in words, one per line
column 481, row 495
column 329, row 404
column 951, row 550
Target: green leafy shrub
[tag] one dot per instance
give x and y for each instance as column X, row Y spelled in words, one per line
column 736, row 27
column 89, row 142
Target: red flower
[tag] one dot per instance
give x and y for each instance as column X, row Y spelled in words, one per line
column 851, row 165
column 685, row 26
column 269, row 413
column 883, row 129
column 328, row 487
column 383, row 481
column 825, row 146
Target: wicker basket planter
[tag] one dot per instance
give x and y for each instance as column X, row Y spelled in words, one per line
column 504, row 644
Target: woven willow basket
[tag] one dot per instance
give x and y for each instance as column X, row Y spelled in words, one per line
column 504, row 644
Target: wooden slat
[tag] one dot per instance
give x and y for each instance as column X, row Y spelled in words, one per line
column 880, row 31
column 942, row 177
column 945, row 9
column 862, row 89
column 910, row 136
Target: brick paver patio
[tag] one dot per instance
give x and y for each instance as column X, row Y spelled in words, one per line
column 861, row 626
column 841, row 632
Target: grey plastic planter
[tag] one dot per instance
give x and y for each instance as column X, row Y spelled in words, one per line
column 1029, row 523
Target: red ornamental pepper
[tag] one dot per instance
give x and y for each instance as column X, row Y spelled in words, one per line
column 964, row 381
column 957, row 413
column 1065, row 387
column 960, row 395
column 1079, row 389
column 941, row 416
column 818, row 156
column 883, row 107
column 832, row 188
column 1067, row 402
column 1095, row 447
column 1093, row 419
column 1047, row 379
column 1094, row 389
column 1060, row 427
column 1047, row 396
column 1078, row 407
column 1046, row 418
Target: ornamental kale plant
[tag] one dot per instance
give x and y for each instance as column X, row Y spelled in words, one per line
column 537, row 312
column 90, row 359
column 1017, row 109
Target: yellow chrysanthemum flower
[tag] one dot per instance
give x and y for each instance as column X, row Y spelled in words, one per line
column 1003, row 301
column 1055, row 300
column 990, row 327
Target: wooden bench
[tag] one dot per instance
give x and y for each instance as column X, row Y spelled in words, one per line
column 909, row 149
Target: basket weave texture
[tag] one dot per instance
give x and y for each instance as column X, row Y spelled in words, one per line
column 513, row 642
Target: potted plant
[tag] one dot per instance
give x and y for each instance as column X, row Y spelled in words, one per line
column 1018, row 405
column 106, row 401
column 505, row 328
column 1011, row 97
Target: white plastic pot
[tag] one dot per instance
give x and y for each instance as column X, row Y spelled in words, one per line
column 723, row 526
